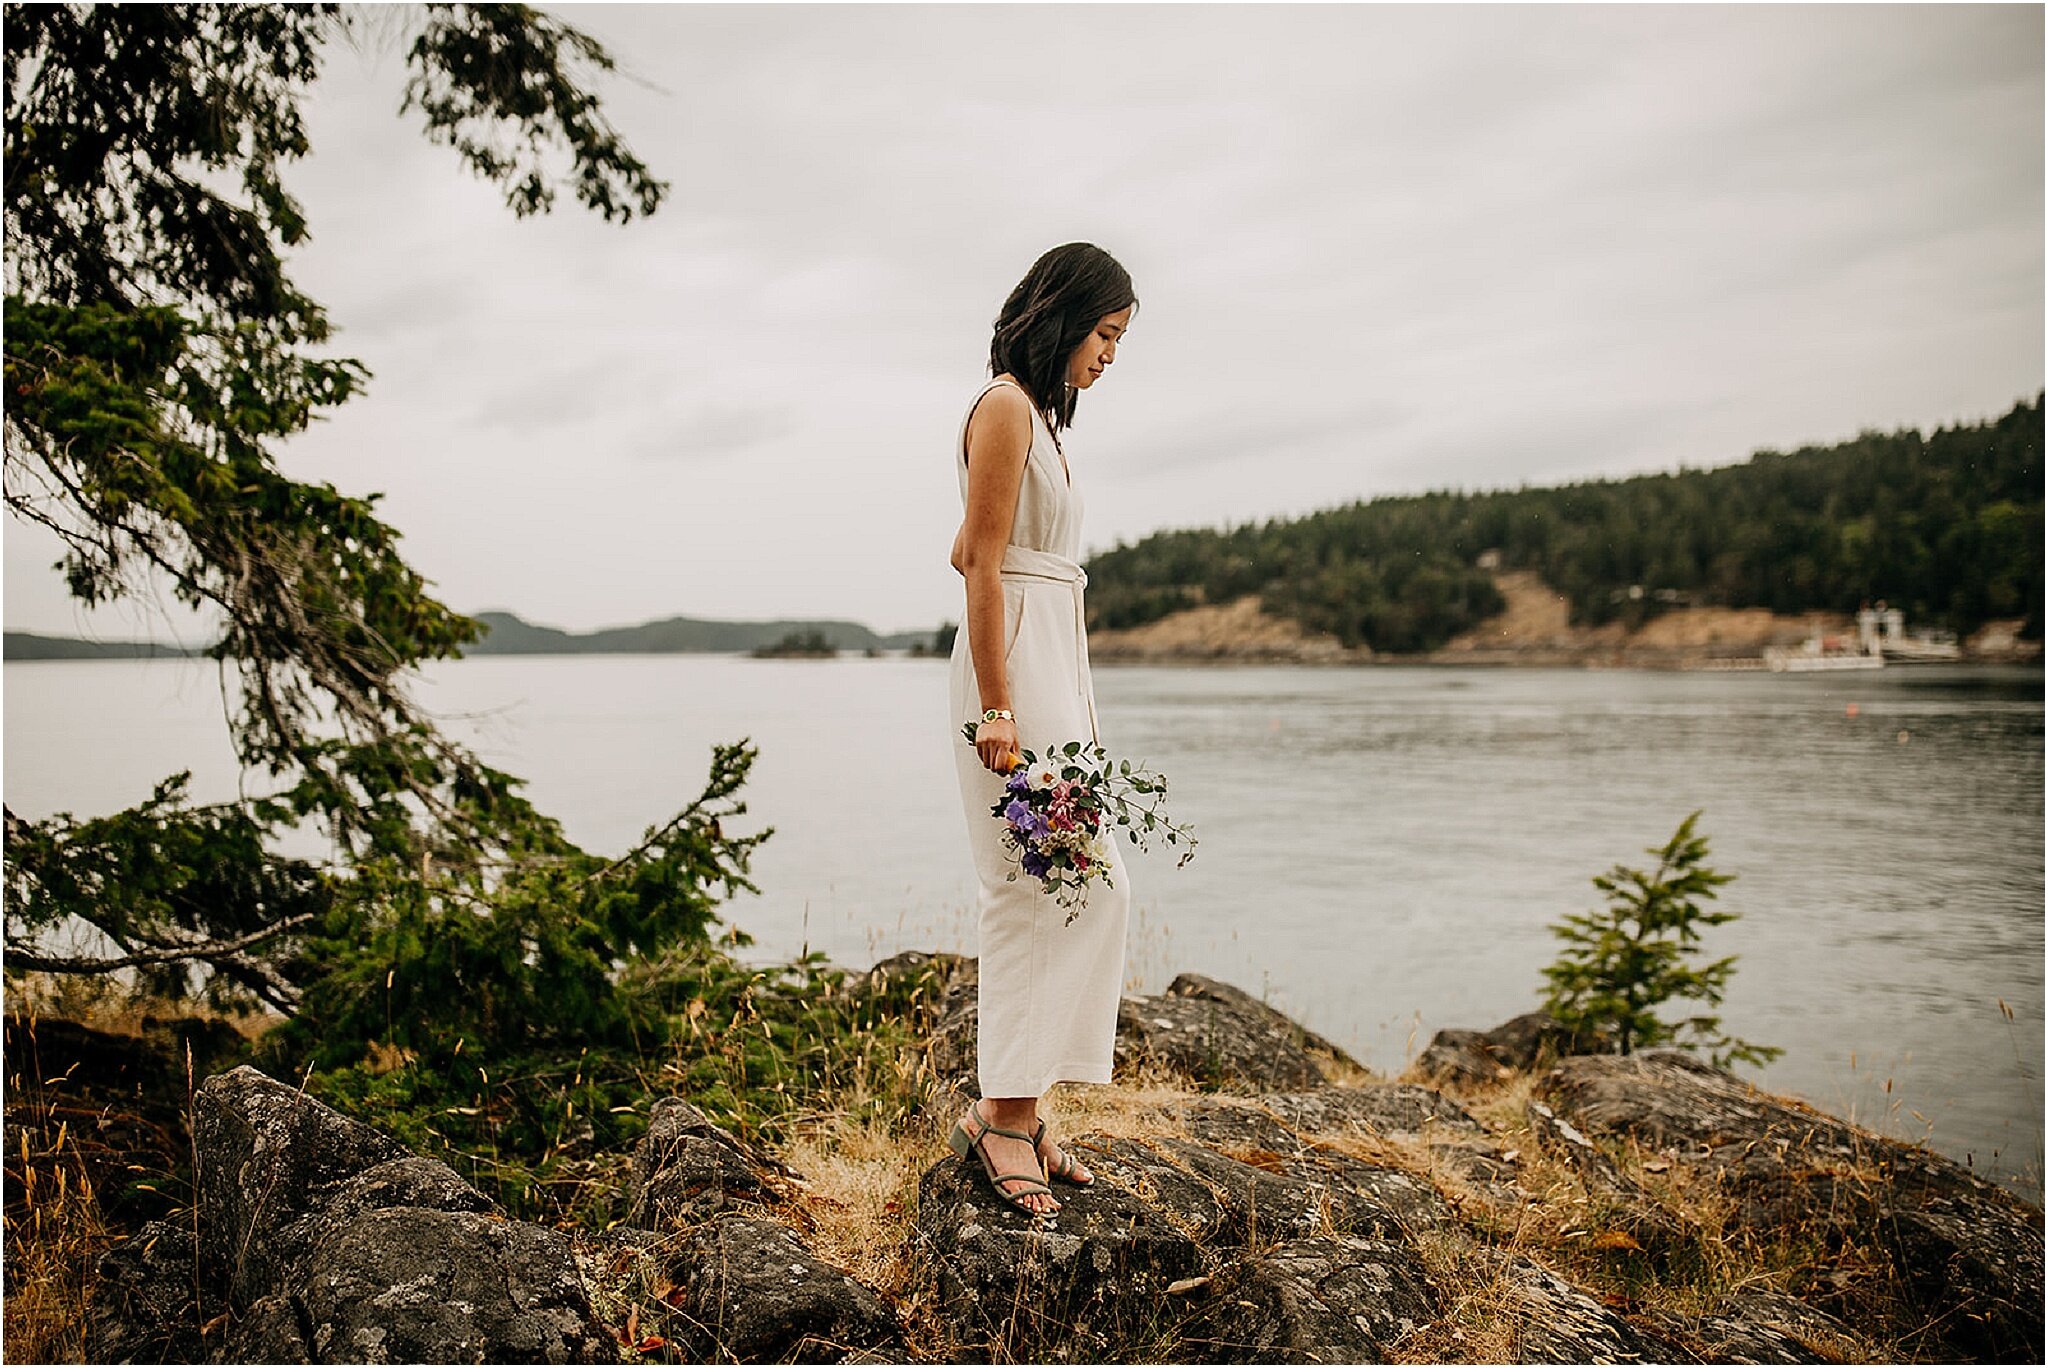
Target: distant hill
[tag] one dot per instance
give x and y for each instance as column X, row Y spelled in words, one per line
column 34, row 646
column 511, row 635
column 1946, row 526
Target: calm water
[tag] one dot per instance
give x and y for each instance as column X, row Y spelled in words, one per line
column 1381, row 849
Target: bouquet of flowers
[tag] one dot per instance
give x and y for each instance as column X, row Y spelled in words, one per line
column 1053, row 810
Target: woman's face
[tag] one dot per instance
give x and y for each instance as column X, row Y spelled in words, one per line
column 1098, row 349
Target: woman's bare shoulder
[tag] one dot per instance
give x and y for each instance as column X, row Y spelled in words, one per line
column 1001, row 414
column 1004, row 396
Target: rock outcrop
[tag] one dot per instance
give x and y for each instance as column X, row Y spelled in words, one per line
column 686, row 1169
column 1238, row 632
column 1514, row 1046
column 322, row 1240
column 1318, row 1299
column 1287, row 1207
column 1969, row 1250
column 1222, row 1037
column 2000, row 641
column 747, row 1289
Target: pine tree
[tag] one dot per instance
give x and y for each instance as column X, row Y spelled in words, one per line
column 1622, row 962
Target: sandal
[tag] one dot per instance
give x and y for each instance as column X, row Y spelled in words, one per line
column 1066, row 1168
column 962, row 1144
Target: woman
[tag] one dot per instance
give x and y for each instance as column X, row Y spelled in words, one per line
column 1048, row 989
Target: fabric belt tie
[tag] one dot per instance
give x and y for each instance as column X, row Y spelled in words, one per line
column 1023, row 563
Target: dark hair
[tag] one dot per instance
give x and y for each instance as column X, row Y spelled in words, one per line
column 1054, row 307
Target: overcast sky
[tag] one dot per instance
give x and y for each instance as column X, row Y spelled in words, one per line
column 1377, row 250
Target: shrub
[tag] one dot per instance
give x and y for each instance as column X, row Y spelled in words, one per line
column 1623, row 961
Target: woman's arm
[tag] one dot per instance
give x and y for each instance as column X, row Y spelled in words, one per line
column 998, row 444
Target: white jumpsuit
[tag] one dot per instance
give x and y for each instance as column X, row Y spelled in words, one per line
column 1049, row 990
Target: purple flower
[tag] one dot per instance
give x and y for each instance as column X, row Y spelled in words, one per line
column 1035, row 864
column 1025, row 819
column 1020, row 782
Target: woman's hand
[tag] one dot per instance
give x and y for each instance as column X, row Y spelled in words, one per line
column 996, row 743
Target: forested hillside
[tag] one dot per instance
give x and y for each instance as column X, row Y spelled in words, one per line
column 1947, row 526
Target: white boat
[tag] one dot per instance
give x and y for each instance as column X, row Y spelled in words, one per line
column 1924, row 649
column 1816, row 654
column 1882, row 631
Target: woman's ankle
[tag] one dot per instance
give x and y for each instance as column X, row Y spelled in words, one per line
column 1011, row 1113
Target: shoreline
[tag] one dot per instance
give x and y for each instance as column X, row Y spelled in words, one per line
column 1544, row 661
column 1534, row 629
column 1112, row 656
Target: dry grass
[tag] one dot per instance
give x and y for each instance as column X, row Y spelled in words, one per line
column 864, row 1181
column 1566, row 1228
column 59, row 1133
column 55, row 1235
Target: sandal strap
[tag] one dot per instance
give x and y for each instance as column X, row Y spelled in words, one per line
column 1065, row 1164
column 983, row 1122
column 1035, row 1177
